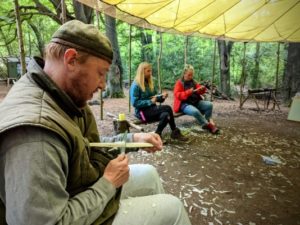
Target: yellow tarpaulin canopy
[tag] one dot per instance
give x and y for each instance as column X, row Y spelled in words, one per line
column 242, row 20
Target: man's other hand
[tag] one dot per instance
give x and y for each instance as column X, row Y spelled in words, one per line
column 151, row 138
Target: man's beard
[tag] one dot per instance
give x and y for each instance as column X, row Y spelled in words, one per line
column 76, row 90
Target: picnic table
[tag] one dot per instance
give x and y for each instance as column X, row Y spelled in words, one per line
column 268, row 95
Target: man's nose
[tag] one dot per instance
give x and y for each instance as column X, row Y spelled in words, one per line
column 102, row 85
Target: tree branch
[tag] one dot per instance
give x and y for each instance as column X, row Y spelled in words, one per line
column 45, row 11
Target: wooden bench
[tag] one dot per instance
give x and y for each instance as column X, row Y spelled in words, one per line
column 137, row 121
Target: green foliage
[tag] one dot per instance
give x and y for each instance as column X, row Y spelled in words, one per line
column 29, row 14
column 267, row 63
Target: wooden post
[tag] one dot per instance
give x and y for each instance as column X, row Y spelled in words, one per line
column 213, row 71
column 158, row 63
column 100, row 90
column 20, row 38
column 243, row 77
column 277, row 68
column 63, row 12
column 129, row 65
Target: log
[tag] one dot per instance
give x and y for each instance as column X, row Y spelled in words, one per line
column 131, row 124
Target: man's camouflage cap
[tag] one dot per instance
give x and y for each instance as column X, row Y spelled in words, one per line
column 84, row 37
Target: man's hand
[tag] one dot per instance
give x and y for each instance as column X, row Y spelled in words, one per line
column 117, row 171
column 151, row 138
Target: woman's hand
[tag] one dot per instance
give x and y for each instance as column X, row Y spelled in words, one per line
column 200, row 88
column 153, row 99
column 165, row 95
column 151, row 138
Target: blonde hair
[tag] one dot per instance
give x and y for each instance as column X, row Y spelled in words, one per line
column 140, row 76
column 186, row 68
column 56, row 51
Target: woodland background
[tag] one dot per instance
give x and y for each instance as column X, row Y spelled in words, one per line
column 220, row 179
column 236, row 65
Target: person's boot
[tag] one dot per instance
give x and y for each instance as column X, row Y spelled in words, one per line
column 176, row 134
column 211, row 128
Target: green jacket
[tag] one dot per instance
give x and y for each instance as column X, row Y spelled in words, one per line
column 35, row 100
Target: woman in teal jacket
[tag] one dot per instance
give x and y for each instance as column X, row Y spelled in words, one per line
column 144, row 96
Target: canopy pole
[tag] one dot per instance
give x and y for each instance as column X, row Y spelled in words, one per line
column 277, row 67
column 186, row 49
column 213, row 71
column 243, row 77
column 129, row 65
column 158, row 63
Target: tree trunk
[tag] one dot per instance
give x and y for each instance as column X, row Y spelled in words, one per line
column 114, row 77
column 83, row 12
column 224, row 52
column 213, row 70
column 186, row 44
column 111, row 32
column 146, row 50
column 255, row 78
column 20, row 38
column 63, row 15
column 158, row 63
column 40, row 41
column 6, row 42
column 291, row 78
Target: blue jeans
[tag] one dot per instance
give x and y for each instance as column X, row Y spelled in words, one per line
column 202, row 111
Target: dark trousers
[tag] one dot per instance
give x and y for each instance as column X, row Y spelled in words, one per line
column 163, row 114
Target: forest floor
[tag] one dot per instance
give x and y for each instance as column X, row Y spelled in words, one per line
column 223, row 179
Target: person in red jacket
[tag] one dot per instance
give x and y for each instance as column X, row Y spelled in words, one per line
column 188, row 99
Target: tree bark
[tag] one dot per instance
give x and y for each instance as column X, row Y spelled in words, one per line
column 224, row 52
column 186, row 44
column 83, row 12
column 213, row 70
column 43, row 10
column 146, row 50
column 63, row 16
column 291, row 78
column 111, row 33
column 40, row 41
column 255, row 78
column 6, row 42
column 114, row 77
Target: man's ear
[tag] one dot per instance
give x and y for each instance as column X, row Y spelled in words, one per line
column 70, row 58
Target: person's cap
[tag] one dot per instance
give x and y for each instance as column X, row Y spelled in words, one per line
column 84, row 37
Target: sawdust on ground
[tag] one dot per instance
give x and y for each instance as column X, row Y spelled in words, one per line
column 223, row 179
